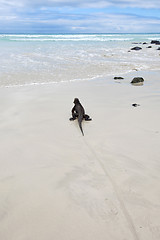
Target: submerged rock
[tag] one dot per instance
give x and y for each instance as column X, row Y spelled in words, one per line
column 136, row 48
column 158, row 48
column 149, row 47
column 137, row 81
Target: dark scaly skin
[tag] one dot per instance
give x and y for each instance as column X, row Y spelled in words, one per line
column 78, row 112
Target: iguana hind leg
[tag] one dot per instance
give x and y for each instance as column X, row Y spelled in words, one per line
column 87, row 118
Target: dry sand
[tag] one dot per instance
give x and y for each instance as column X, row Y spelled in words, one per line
column 56, row 184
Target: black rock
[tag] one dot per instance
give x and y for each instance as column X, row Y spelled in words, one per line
column 149, row 47
column 144, row 43
column 118, row 78
column 158, row 48
column 137, row 80
column 135, row 105
column 136, row 48
column 155, row 42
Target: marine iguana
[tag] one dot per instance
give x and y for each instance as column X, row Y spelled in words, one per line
column 78, row 112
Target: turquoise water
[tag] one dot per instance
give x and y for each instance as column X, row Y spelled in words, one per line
column 78, row 37
column 37, row 58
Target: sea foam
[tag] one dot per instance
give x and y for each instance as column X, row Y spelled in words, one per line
column 37, row 58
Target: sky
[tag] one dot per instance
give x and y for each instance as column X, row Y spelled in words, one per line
column 79, row 16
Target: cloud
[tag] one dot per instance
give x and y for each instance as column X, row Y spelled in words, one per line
column 79, row 16
column 97, row 23
column 80, row 3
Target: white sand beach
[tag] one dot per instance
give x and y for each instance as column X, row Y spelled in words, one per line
column 56, row 184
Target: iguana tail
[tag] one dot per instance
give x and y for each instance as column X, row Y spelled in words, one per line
column 80, row 124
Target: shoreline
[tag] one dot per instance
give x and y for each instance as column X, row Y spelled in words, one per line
column 130, row 73
column 27, row 63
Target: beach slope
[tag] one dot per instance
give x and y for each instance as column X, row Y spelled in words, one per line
column 57, row 184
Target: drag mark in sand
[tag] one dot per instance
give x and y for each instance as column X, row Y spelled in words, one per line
column 122, row 205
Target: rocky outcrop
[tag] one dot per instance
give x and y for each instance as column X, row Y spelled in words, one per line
column 155, row 42
column 137, row 81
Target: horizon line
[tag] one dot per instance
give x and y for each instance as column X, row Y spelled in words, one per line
column 49, row 33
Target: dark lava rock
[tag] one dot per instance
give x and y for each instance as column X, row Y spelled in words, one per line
column 118, row 78
column 137, row 80
column 136, row 48
column 135, row 105
column 155, row 42
column 149, row 47
column 158, row 48
column 144, row 43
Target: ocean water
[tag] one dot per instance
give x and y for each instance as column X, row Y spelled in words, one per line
column 52, row 58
